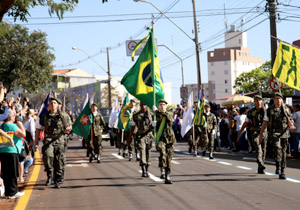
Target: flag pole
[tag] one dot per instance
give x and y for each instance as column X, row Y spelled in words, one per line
column 153, row 70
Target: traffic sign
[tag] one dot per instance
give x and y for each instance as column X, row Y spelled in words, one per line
column 275, row 84
column 130, row 45
column 184, row 92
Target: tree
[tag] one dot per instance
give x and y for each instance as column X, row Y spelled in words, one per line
column 20, row 8
column 25, row 58
column 104, row 96
column 258, row 79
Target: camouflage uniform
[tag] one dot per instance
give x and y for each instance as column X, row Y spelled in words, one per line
column 255, row 119
column 98, row 123
column 279, row 134
column 166, row 142
column 200, row 136
column 212, row 125
column 67, row 137
column 54, row 144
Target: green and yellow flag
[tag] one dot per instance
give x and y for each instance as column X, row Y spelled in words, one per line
column 82, row 125
column 138, row 80
column 125, row 115
column 286, row 64
column 199, row 118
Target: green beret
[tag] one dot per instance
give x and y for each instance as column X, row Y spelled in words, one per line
column 207, row 105
column 55, row 99
column 278, row 94
column 162, row 101
column 258, row 96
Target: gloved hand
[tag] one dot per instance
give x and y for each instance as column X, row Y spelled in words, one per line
column 213, row 132
column 154, row 108
column 154, row 123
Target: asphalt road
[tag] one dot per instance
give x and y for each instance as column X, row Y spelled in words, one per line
column 229, row 181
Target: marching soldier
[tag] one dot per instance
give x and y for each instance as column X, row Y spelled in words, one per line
column 166, row 138
column 254, row 120
column 95, row 137
column 279, row 119
column 144, row 137
column 212, row 124
column 56, row 126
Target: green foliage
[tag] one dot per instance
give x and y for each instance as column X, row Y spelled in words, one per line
column 25, row 58
column 258, row 79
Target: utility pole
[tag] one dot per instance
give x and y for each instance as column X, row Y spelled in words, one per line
column 273, row 30
column 197, row 49
column 108, row 81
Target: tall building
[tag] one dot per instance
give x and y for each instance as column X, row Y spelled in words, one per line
column 226, row 64
column 207, row 90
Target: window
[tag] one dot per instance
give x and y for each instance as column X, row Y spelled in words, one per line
column 225, row 62
column 212, row 73
column 224, row 53
column 226, row 91
column 240, row 41
column 212, row 54
column 213, row 82
column 226, row 72
column 212, row 63
column 226, row 81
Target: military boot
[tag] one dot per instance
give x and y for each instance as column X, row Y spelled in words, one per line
column 91, row 157
column 195, row 153
column 190, row 148
column 167, row 178
column 211, row 156
column 49, row 180
column 143, row 166
column 87, row 154
column 119, row 152
column 282, row 175
column 98, row 158
column 137, row 156
column 130, row 157
column 277, row 168
column 162, row 173
column 204, row 153
column 261, row 169
column 146, row 172
column 57, row 185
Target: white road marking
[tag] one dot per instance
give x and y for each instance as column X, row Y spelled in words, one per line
column 244, row 167
column 154, row 178
column 293, row 180
column 175, row 162
column 117, row 156
column 269, row 174
column 225, row 163
column 78, row 165
column 81, row 161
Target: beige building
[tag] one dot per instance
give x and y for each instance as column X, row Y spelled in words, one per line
column 226, row 64
column 207, row 90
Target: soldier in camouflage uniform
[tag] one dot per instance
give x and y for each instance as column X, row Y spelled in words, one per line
column 95, row 147
column 212, row 125
column 254, row 120
column 166, row 142
column 144, row 136
column 56, row 126
column 279, row 119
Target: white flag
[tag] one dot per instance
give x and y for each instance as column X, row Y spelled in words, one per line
column 188, row 116
column 85, row 101
column 113, row 118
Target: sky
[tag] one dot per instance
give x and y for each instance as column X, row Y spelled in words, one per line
column 94, row 26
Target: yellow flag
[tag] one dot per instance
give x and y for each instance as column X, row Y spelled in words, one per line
column 287, row 65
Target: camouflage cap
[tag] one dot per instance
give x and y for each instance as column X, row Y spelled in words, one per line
column 55, row 99
column 162, row 101
column 207, row 105
column 94, row 104
column 258, row 96
column 278, row 94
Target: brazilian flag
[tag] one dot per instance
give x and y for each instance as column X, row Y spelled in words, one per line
column 125, row 115
column 199, row 118
column 139, row 80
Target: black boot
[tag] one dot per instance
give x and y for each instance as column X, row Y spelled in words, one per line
column 204, row 153
column 143, row 166
column 261, row 169
column 87, row 154
column 277, row 168
column 146, row 172
column 49, row 180
column 98, row 159
column 162, row 173
column 91, row 157
column 190, row 148
column 282, row 175
column 167, row 177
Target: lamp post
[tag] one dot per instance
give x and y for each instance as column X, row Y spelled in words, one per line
column 107, row 72
column 195, row 40
column 181, row 61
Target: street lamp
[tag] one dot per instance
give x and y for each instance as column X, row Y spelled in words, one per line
column 181, row 61
column 193, row 39
column 107, row 72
